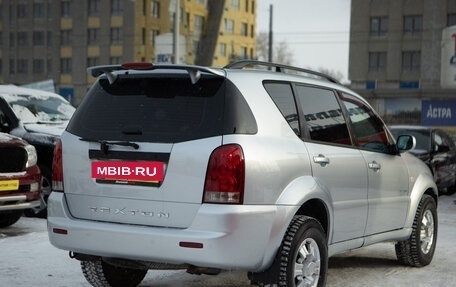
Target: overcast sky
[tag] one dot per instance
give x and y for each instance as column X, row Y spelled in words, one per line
column 316, row 31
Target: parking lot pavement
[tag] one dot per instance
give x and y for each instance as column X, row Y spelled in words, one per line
column 28, row 259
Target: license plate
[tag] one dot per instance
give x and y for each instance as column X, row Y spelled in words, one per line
column 9, row 185
column 136, row 171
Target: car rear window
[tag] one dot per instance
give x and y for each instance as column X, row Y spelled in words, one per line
column 164, row 108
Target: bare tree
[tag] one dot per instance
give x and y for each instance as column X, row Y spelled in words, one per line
column 281, row 51
column 338, row 75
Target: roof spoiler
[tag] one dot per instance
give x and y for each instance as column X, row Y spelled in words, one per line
column 193, row 71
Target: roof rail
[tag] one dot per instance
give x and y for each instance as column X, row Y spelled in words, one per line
column 278, row 68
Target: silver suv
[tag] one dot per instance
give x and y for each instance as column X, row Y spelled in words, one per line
column 240, row 168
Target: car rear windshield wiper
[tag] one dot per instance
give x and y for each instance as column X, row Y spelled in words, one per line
column 104, row 145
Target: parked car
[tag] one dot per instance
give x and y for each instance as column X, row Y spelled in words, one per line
column 270, row 172
column 437, row 149
column 20, row 179
column 39, row 117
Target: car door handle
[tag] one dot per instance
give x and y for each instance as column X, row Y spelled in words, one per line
column 374, row 165
column 321, row 160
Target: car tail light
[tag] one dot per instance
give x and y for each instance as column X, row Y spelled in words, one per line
column 57, row 168
column 225, row 176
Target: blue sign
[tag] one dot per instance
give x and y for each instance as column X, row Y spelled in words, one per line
column 438, row 113
column 409, row 85
column 67, row 93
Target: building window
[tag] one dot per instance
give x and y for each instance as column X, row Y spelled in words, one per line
column 92, row 36
column 22, row 39
column 65, row 65
column 11, row 13
column 38, row 66
column 38, row 38
column 94, row 8
column 38, row 10
column 235, row 4
column 117, row 7
column 49, row 12
column 243, row 52
column 49, row 38
column 12, row 41
column 66, row 8
column 65, row 37
column 244, row 29
column 451, row 19
column 198, row 24
column 21, row 11
column 413, row 25
column 12, row 69
column 229, row 26
column 411, row 61
column 155, row 9
column 222, row 50
column 115, row 60
column 92, row 61
column 22, row 66
column 116, row 36
column 153, row 36
column 379, row 26
column 49, row 66
column 377, row 61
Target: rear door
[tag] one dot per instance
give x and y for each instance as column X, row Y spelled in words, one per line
column 157, row 124
column 336, row 163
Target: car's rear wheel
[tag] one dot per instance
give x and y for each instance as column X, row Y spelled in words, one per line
column 418, row 249
column 101, row 274
column 8, row 218
column 302, row 259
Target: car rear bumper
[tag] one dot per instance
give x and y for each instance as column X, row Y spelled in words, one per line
column 221, row 236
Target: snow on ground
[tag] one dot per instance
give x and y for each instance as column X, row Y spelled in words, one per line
column 28, row 259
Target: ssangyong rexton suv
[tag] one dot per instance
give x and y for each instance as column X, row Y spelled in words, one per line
column 266, row 171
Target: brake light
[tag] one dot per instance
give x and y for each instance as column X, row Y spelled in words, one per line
column 225, row 176
column 137, row 65
column 57, row 168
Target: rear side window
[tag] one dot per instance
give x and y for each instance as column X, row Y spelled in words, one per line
column 164, row 108
column 323, row 115
column 282, row 95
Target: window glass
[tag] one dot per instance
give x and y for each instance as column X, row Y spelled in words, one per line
column 378, row 26
column 367, row 127
column 413, row 25
column 282, row 96
column 324, row 118
column 377, row 61
column 164, row 109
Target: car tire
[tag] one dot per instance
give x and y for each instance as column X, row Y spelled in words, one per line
column 418, row 249
column 8, row 218
column 101, row 274
column 302, row 259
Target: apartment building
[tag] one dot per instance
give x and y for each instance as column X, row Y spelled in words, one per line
column 396, row 58
column 58, row 39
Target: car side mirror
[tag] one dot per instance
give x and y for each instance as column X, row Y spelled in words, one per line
column 405, row 143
